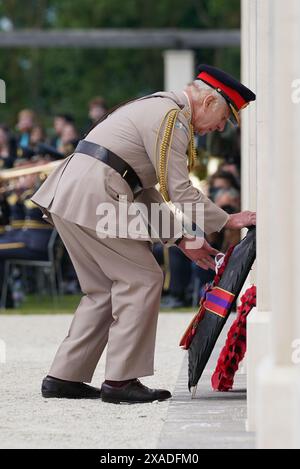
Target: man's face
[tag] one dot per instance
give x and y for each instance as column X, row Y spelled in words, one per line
column 209, row 116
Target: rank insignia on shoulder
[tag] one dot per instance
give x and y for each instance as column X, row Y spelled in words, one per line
column 186, row 114
column 181, row 126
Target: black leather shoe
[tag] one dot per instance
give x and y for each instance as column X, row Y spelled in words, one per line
column 132, row 393
column 54, row 387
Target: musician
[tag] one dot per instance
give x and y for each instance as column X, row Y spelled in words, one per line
column 29, row 234
column 8, row 148
column 27, row 119
column 59, row 122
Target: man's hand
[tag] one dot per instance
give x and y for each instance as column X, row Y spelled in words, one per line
column 239, row 220
column 200, row 255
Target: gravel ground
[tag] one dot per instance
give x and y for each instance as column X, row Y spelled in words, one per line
column 29, row 421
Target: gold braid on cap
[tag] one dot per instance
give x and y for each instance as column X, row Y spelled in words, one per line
column 192, row 155
column 164, row 151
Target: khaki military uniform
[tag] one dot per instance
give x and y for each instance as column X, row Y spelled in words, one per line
column 120, row 278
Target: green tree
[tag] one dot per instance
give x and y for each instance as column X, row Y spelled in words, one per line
column 63, row 80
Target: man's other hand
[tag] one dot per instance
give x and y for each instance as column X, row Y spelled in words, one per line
column 240, row 220
column 199, row 251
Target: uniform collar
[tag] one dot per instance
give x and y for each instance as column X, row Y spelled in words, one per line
column 181, row 98
column 189, row 106
column 184, row 102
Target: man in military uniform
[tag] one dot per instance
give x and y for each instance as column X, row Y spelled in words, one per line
column 119, row 162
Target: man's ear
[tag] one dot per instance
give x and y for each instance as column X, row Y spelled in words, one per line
column 209, row 100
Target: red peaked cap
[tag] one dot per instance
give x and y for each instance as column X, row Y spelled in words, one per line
column 236, row 95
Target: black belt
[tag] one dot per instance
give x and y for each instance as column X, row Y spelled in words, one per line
column 112, row 160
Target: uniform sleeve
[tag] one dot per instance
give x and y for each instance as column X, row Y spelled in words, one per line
column 180, row 189
column 165, row 229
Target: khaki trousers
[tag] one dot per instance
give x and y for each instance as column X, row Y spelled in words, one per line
column 122, row 284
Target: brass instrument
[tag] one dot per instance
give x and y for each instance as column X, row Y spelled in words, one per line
column 17, row 178
column 45, row 168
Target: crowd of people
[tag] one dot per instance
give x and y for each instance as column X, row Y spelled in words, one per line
column 184, row 280
column 29, row 140
column 24, row 234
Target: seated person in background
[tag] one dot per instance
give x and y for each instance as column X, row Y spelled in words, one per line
column 59, row 122
column 7, row 148
column 69, row 140
column 37, row 148
column 232, row 167
column 224, row 146
column 4, row 212
column 37, row 135
column 222, row 180
column 230, row 201
column 15, row 218
column 224, row 190
column 25, row 124
column 177, row 279
column 97, row 108
column 180, row 273
column 31, row 241
column 228, row 198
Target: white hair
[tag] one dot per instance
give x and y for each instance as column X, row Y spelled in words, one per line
column 203, row 90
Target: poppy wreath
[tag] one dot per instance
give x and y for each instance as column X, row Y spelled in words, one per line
column 235, row 347
column 191, row 330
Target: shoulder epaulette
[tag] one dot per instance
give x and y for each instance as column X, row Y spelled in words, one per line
column 162, row 155
column 164, row 150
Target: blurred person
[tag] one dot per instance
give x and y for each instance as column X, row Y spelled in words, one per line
column 26, row 121
column 37, row 135
column 222, row 180
column 231, row 167
column 59, row 122
column 198, row 176
column 179, row 270
column 230, row 201
column 225, row 192
column 69, row 140
column 41, row 151
column 118, row 163
column 15, row 215
column 97, row 109
column 225, row 146
column 37, row 148
column 228, row 198
column 29, row 240
column 7, row 148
